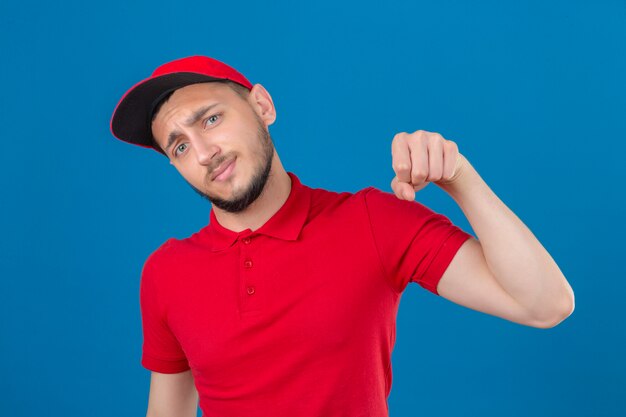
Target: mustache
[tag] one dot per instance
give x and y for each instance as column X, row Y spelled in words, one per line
column 216, row 164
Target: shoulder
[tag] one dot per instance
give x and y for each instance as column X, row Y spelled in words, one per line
column 387, row 203
column 159, row 255
column 325, row 197
column 326, row 202
column 173, row 248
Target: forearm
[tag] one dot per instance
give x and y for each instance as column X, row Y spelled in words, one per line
column 515, row 257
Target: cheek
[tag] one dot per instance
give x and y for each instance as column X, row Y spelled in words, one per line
column 193, row 173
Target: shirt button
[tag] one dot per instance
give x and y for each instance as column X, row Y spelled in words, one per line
column 248, row 264
column 250, row 290
column 246, row 240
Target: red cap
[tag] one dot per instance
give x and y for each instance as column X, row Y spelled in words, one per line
column 132, row 117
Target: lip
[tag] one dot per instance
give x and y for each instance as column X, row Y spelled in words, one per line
column 224, row 170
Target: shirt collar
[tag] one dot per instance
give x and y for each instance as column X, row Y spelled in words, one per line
column 285, row 224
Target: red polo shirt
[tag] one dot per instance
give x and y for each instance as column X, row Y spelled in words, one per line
column 296, row 318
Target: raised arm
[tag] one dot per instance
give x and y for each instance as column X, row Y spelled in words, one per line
column 507, row 272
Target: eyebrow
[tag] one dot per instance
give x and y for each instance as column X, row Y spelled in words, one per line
column 197, row 115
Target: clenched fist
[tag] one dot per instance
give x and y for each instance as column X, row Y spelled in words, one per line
column 422, row 157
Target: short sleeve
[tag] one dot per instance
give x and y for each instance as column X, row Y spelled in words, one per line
column 161, row 351
column 414, row 243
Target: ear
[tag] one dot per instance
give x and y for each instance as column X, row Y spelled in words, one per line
column 261, row 102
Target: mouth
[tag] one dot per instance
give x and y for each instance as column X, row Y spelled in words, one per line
column 223, row 171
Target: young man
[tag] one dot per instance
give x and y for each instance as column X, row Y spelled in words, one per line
column 285, row 303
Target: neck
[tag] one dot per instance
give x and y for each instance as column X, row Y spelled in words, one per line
column 271, row 199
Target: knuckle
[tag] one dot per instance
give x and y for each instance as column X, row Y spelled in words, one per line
column 401, row 167
column 399, row 135
column 418, row 176
column 434, row 138
column 396, row 143
column 450, row 145
column 415, row 137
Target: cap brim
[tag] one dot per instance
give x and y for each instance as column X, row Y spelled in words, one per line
column 131, row 121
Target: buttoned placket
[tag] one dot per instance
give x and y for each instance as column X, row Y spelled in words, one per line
column 249, row 291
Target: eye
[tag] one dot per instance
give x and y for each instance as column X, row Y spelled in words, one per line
column 210, row 120
column 180, row 148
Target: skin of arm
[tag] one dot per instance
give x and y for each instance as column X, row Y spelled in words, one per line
column 506, row 272
column 172, row 395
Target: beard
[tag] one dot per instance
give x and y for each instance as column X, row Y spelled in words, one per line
column 244, row 198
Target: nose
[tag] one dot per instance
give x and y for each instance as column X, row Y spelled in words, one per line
column 206, row 150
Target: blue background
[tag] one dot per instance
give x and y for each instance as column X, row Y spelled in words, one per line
column 532, row 92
